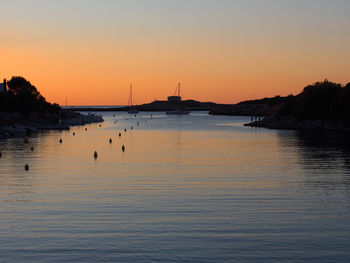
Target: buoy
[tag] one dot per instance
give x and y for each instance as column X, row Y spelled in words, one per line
column 99, row 125
column 113, row 115
column 0, row 154
column 110, row 140
column 85, row 129
column 73, row 133
column 26, row 167
column 123, row 148
column 95, row 155
column 120, row 135
column 132, row 127
column 25, row 140
column 124, row 130
column 32, row 148
column 60, row 140
column 138, row 123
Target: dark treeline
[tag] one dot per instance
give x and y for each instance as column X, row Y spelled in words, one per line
column 325, row 101
column 268, row 101
column 23, row 97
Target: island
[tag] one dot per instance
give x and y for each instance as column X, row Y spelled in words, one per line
column 24, row 110
column 321, row 106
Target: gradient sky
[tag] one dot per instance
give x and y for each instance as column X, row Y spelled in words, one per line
column 89, row 51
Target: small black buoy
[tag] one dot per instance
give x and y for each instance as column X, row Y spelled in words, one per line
column 99, row 125
column 73, row 133
column 110, row 140
column 120, row 135
column 32, row 148
column 25, row 140
column 123, row 148
column 60, row 140
column 85, row 129
column 138, row 123
column 113, row 115
column 95, row 155
column 26, row 167
column 132, row 127
column 0, row 154
column 124, row 130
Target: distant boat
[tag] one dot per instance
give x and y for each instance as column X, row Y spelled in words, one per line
column 176, row 98
column 132, row 109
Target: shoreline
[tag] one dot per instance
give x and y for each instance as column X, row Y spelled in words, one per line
column 20, row 126
column 291, row 123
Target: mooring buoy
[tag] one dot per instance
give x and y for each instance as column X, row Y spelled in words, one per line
column 60, row 140
column 123, row 148
column 124, row 130
column 110, row 140
column 0, row 154
column 73, row 133
column 120, row 135
column 26, row 167
column 95, row 155
column 32, row 148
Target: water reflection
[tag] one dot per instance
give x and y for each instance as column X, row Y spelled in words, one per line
column 186, row 189
column 324, row 158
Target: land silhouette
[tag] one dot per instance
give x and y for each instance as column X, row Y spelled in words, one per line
column 320, row 106
column 24, row 110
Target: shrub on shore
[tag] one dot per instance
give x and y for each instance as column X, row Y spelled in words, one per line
column 324, row 100
column 23, row 97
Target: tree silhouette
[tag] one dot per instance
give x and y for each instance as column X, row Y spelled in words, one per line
column 22, row 96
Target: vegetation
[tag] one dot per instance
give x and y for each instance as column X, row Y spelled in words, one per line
column 23, row 97
column 268, row 101
column 325, row 101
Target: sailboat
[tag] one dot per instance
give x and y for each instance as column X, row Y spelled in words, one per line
column 132, row 109
column 177, row 99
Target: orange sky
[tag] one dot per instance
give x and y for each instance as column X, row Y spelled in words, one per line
column 90, row 51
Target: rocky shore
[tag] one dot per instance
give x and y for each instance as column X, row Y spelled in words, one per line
column 13, row 124
column 291, row 123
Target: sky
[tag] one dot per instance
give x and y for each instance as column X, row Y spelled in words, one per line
column 88, row 52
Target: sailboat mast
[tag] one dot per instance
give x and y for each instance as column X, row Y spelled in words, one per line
column 130, row 96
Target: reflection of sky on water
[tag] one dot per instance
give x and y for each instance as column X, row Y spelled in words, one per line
column 186, row 189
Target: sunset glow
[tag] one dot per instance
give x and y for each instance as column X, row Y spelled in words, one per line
column 223, row 51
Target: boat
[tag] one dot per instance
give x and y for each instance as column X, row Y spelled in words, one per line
column 176, row 99
column 132, row 109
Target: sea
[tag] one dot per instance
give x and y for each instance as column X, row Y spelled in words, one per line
column 195, row 188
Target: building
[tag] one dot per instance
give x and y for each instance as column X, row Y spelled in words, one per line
column 177, row 96
column 3, row 86
column 174, row 99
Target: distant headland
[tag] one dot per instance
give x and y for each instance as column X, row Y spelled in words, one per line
column 321, row 106
column 24, row 110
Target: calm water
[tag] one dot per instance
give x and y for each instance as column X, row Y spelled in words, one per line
column 187, row 189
